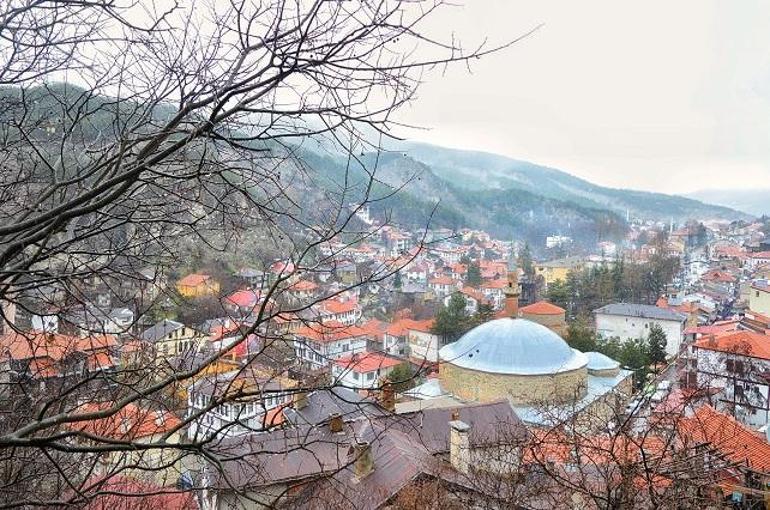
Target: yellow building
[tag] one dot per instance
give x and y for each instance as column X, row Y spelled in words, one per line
column 170, row 338
column 555, row 270
column 196, row 285
column 759, row 297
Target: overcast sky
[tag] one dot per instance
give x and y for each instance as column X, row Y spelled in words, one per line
column 671, row 96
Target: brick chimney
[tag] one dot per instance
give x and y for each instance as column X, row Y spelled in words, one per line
column 364, row 462
column 300, row 400
column 335, row 422
column 459, row 445
column 388, row 397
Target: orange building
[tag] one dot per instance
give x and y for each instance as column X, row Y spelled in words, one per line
column 197, row 284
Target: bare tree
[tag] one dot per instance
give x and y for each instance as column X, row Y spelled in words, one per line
column 132, row 133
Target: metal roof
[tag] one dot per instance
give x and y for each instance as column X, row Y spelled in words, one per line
column 599, row 361
column 513, row 346
column 639, row 310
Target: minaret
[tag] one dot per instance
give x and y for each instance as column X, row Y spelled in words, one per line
column 512, row 290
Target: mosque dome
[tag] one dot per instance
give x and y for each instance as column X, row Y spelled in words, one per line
column 513, row 346
column 599, row 361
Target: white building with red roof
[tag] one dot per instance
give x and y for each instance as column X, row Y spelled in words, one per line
column 318, row 345
column 362, row 371
column 737, row 364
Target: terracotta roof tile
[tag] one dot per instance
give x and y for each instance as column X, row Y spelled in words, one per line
column 747, row 343
column 725, row 434
column 542, row 308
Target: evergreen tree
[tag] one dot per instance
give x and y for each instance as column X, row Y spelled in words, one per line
column 559, row 294
column 485, row 313
column 451, row 319
column 397, row 282
column 525, row 261
column 656, row 344
column 402, row 377
column 473, row 278
column 581, row 337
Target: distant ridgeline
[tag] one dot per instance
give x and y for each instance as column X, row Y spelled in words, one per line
column 446, row 187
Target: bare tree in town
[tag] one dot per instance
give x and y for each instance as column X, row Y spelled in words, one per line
column 133, row 133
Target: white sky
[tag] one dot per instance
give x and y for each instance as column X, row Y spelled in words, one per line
column 672, row 96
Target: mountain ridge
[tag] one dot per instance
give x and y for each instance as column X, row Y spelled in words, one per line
column 479, row 170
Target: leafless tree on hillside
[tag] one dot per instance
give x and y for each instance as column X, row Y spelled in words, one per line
column 131, row 130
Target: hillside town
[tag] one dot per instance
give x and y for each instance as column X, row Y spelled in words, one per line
column 456, row 333
column 384, row 255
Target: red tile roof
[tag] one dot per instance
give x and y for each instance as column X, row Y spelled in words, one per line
column 760, row 255
column 402, row 326
column 131, row 422
column 442, row 280
column 330, row 331
column 245, row 298
column 724, row 433
column 336, row 307
column 499, row 283
column 747, row 343
column 303, row 286
column 55, row 346
column 717, row 328
column 542, row 308
column 367, row 362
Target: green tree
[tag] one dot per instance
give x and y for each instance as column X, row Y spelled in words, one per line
column 397, row 281
column 656, row 344
column 473, row 278
column 485, row 313
column 525, row 261
column 580, row 336
column 559, row 293
column 402, row 377
column 451, row 319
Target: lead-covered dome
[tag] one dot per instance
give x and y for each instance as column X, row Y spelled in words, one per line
column 513, row 346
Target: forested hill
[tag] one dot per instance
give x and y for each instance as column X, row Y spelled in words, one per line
column 474, row 170
column 424, row 196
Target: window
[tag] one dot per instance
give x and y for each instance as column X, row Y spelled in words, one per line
column 355, row 376
column 370, row 376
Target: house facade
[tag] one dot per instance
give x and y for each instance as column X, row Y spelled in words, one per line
column 316, row 346
column 362, row 371
column 631, row 320
column 735, row 364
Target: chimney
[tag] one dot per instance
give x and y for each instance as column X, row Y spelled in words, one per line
column 300, row 400
column 364, row 463
column 335, row 422
column 459, row 446
column 388, row 397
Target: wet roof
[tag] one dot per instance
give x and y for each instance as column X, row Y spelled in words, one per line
column 513, row 346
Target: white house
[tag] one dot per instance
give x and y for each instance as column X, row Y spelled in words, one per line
column 736, row 363
column 260, row 410
column 363, row 371
column 473, row 298
column 443, row 286
column 422, row 344
column 317, row 345
column 344, row 310
column 630, row 320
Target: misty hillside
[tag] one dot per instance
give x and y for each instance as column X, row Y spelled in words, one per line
column 752, row 201
column 509, row 213
column 474, row 170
